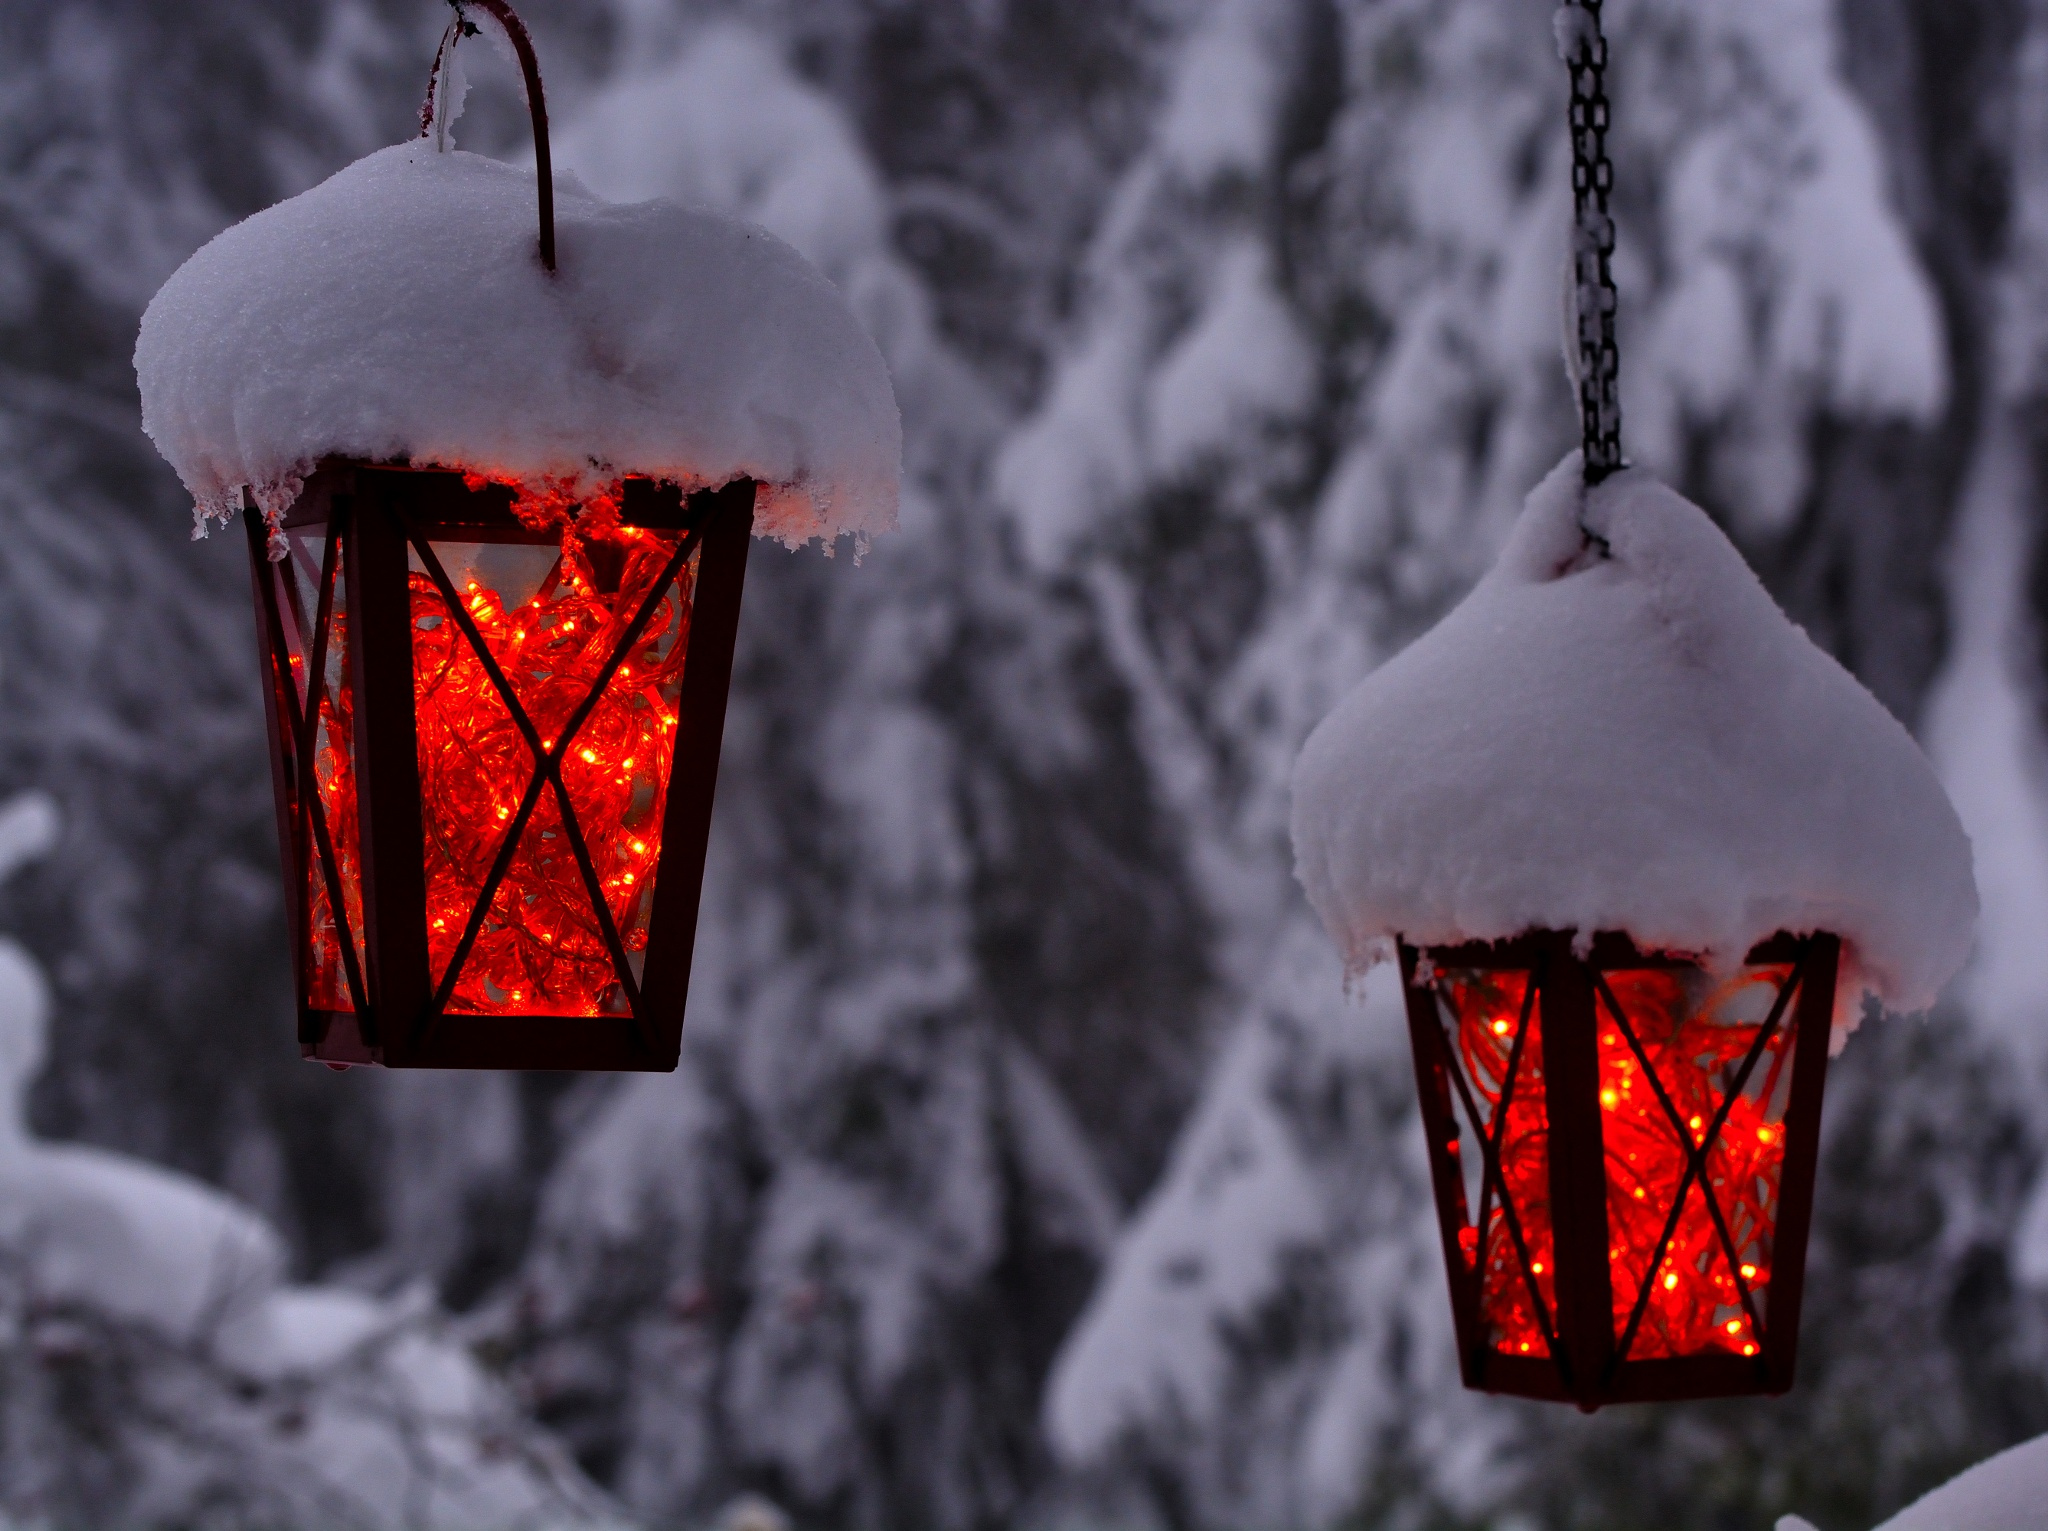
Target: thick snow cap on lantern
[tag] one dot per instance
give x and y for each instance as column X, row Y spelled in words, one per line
column 1619, row 730
column 398, row 312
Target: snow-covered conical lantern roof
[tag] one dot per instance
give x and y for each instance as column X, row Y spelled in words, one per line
column 1618, row 730
column 397, row 312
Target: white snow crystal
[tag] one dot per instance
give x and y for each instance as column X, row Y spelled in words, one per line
column 1619, row 730
column 726, row 124
column 120, row 1236
column 398, row 311
column 1064, row 467
column 1984, row 734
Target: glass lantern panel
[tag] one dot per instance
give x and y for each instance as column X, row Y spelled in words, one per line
column 1497, row 1047
column 329, row 815
column 552, row 617
column 1674, row 1046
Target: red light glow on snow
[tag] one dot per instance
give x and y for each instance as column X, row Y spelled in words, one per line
column 1694, row 1038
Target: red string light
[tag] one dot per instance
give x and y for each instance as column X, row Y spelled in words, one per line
column 1696, row 1043
column 540, row 949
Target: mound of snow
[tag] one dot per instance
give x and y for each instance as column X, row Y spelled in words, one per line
column 196, row 1386
column 1619, row 730
column 2002, row 1493
column 399, row 311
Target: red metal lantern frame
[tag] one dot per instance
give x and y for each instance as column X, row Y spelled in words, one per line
column 1594, row 1357
column 376, row 518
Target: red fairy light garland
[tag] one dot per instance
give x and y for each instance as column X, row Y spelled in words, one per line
column 1694, row 1044
column 540, row 950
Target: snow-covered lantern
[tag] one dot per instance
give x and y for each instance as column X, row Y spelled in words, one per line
column 505, row 496
column 1640, row 849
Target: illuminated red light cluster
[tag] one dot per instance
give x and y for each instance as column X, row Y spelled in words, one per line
column 496, row 724
column 539, row 950
column 1623, row 1150
column 1695, row 1301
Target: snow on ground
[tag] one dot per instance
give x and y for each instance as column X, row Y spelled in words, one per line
column 2005, row 1493
column 220, row 1384
column 1619, row 730
column 398, row 310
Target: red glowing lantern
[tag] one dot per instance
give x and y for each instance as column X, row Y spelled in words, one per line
column 1627, row 830
column 495, row 719
column 1622, row 1148
column 494, row 738
column 498, row 517
column 1623, row 1154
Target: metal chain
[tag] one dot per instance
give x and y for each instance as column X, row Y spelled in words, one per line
column 1584, row 48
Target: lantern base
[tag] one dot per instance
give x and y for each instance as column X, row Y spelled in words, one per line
column 598, row 1044
column 1639, row 1139
column 340, row 1039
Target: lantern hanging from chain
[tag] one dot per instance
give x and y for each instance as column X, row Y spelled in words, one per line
column 499, row 497
column 1639, row 850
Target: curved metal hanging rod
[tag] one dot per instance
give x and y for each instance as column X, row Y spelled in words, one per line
column 536, row 102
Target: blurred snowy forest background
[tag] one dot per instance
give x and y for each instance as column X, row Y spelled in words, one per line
column 1027, row 1165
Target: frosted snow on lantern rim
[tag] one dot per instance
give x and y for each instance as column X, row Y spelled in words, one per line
column 1641, row 849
